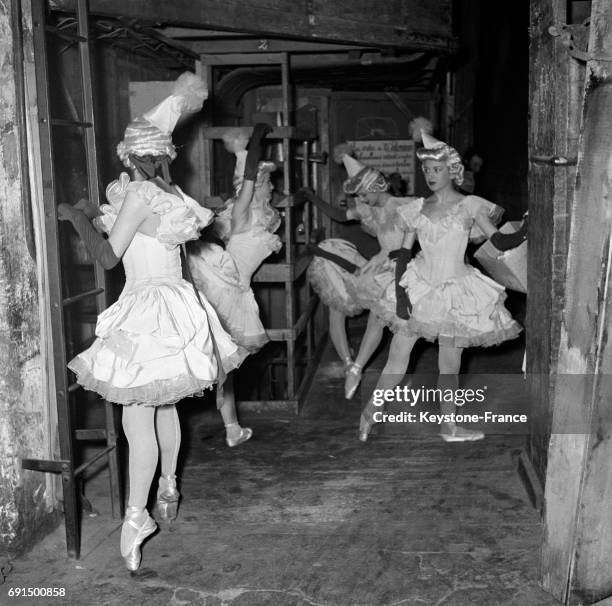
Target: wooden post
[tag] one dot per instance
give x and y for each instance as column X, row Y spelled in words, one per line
column 205, row 146
column 556, row 88
column 577, row 559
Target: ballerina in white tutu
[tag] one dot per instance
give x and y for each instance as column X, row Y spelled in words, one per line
column 161, row 341
column 224, row 274
column 344, row 280
column 449, row 301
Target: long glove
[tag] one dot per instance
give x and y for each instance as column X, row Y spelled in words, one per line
column 97, row 246
column 508, row 241
column 255, row 150
column 337, row 259
column 335, row 213
column 403, row 305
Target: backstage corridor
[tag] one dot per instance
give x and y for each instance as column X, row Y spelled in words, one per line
column 305, row 514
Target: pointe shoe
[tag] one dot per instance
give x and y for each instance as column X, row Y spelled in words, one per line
column 132, row 536
column 461, row 434
column 168, row 499
column 365, row 426
column 353, row 378
column 246, row 433
column 366, row 422
column 348, row 362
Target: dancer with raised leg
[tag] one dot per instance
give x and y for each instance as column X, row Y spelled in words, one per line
column 342, row 278
column 224, row 274
column 161, row 341
column 448, row 300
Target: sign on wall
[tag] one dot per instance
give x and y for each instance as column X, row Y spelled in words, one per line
column 388, row 156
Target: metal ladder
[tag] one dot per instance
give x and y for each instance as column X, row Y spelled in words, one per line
column 53, row 131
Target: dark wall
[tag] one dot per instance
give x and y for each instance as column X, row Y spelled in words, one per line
column 350, row 115
column 500, row 96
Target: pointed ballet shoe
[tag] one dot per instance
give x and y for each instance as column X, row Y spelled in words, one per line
column 167, row 499
column 132, row 536
column 348, row 362
column 366, row 422
column 352, row 381
column 246, row 433
column 461, row 434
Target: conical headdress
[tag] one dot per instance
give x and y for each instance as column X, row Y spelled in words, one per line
column 431, row 142
column 151, row 133
column 352, row 165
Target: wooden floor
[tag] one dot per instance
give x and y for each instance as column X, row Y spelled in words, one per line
column 305, row 514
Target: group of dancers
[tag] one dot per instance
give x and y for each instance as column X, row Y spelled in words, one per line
column 167, row 338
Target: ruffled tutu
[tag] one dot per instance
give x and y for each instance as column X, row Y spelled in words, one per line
column 155, row 346
column 463, row 311
column 216, row 275
column 336, row 287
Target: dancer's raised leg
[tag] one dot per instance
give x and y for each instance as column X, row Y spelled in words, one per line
column 371, row 340
column 338, row 336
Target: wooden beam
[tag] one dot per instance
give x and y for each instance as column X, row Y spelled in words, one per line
column 555, row 92
column 265, row 45
column 278, row 132
column 577, row 560
column 414, row 24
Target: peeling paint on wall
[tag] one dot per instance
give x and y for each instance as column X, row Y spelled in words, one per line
column 26, row 508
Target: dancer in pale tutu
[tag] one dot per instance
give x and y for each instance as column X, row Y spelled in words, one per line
column 343, row 279
column 161, row 341
column 448, row 300
column 224, row 274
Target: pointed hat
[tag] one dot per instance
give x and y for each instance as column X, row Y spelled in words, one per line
column 431, row 142
column 352, row 165
column 151, row 133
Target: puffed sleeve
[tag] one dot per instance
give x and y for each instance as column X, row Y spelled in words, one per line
column 477, row 206
column 410, row 212
column 115, row 194
column 180, row 220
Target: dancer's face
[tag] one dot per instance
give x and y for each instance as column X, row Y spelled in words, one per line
column 436, row 174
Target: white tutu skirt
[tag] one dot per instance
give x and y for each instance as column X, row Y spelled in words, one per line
column 156, row 345
column 215, row 273
column 335, row 286
column 464, row 311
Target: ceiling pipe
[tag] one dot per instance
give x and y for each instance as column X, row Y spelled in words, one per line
column 304, row 68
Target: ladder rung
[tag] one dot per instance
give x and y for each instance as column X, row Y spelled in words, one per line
column 90, row 434
column 83, row 295
column 60, row 122
column 93, row 459
column 45, row 465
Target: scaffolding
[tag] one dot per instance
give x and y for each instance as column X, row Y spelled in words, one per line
column 294, row 260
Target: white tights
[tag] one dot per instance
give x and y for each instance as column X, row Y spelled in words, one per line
column 151, row 432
